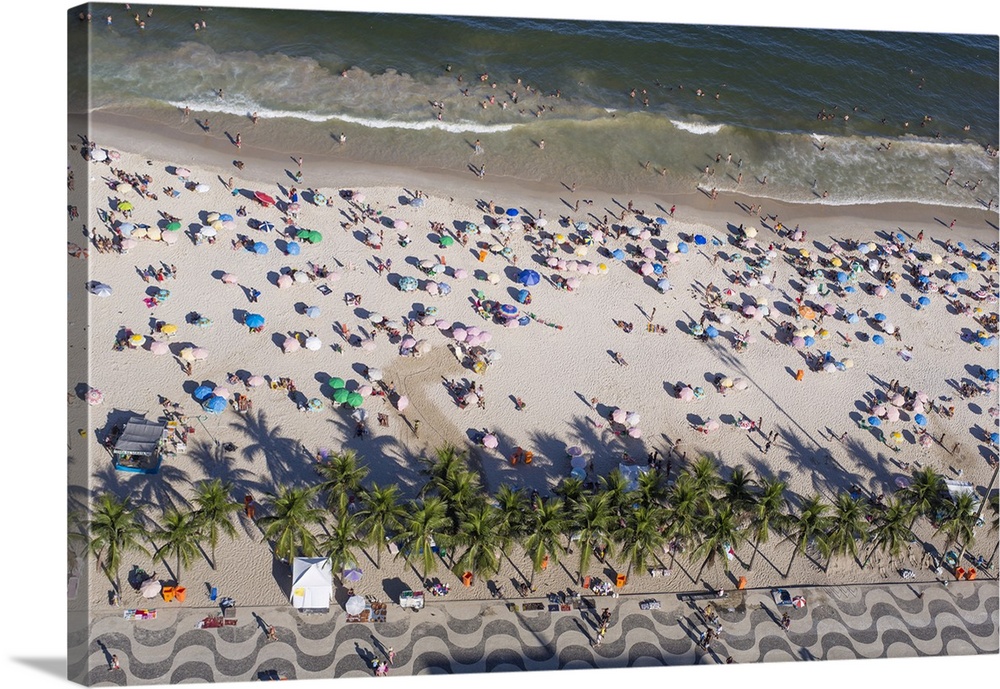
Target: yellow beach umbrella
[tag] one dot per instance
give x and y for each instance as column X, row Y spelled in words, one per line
column 836, row 262
column 169, row 329
column 211, row 218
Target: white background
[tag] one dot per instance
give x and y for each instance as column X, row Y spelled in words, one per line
column 33, row 382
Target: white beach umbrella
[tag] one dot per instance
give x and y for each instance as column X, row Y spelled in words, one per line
column 313, row 343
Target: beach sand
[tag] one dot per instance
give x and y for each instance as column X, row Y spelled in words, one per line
column 555, row 371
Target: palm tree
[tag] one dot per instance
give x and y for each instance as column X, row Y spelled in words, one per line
column 809, row 528
column 593, row 521
column 720, row 531
column 570, row 490
column 738, row 491
column 343, row 538
column 546, row 524
column 512, row 510
column 481, row 538
column 114, row 531
column 447, row 462
column 461, row 492
column 639, row 536
column 341, row 473
column 215, row 506
column 705, row 479
column 768, row 512
column 620, row 497
column 959, row 521
column 682, row 514
column 426, row 522
column 924, row 492
column 652, row 489
column 382, row 514
column 291, row 521
column 848, row 529
column 890, row 532
column 181, row 533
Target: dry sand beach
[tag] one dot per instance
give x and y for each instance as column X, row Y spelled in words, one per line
column 571, row 365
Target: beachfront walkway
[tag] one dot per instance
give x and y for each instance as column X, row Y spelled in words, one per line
column 839, row 622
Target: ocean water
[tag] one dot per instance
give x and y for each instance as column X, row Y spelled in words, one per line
column 775, row 99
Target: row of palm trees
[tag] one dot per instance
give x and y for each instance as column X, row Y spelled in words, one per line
column 700, row 514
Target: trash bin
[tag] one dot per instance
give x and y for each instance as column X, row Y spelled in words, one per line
column 168, row 593
column 800, row 374
column 742, row 584
column 959, row 572
column 467, row 578
column 620, row 580
column 180, row 593
column 971, row 574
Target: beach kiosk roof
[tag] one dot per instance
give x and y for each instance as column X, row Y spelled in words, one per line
column 138, row 447
column 312, row 583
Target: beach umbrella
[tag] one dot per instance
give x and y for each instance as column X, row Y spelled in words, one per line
column 995, row 438
column 100, row 289
column 700, row 240
column 407, row 342
column 265, row 227
column 254, row 320
column 663, row 284
column 300, row 277
column 807, row 312
column 255, row 381
column 354, row 574
column 528, row 278
column 920, row 420
column 897, row 400
column 618, row 415
column 201, row 188
column 207, row 231
column 508, row 310
column 635, row 432
column 459, row 273
column 798, row 342
column 285, row 281
column 260, row 248
column 490, row 441
column 924, row 301
column 170, row 238
column 136, row 340
column 618, row 254
column 402, row 403
column 842, row 277
column 686, row 394
column 809, row 340
column 341, row 395
column 892, row 414
column 897, row 437
column 214, row 405
column 315, row 404
column 879, row 317
column 422, row 346
column 874, row 421
column 574, row 451
column 126, row 229
column 712, row 332
column 94, row 396
column 573, row 283
column 879, row 410
column 853, row 318
column 355, row 605
column 291, row 344
column 202, row 392
column 292, row 249
column 400, row 225
column 632, row 418
column 313, row 343
column 522, row 296
column 150, row 588
column 375, row 374
column 432, row 288
column 159, row 348
column 229, row 279
column 646, row 268
column 878, row 339
column 459, row 334
column 368, row 344
column 313, row 312
column 355, row 400
column 493, row 278
column 446, row 241
column 407, row 283
column 682, row 247
column 926, row 440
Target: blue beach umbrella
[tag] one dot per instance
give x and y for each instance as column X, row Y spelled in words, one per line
column 225, row 217
column 849, row 289
column 658, row 269
column 991, row 375
column 508, row 310
column 660, row 221
column 265, row 227
column 983, row 256
column 842, row 277
column 293, row 249
column 959, row 276
column 682, row 247
column 254, row 320
column 444, row 288
column 214, row 404
column 987, row 341
column 260, row 248
column 408, row 283
column 874, row 421
column 202, row 392
column 512, row 213
column 417, row 203
column 700, row 240
column 852, row 318
column 878, row 339
column 619, row 254
column 924, row 301
column 920, row 420
column 523, row 320
column 961, row 245
column 528, row 278
column 712, row 332
column 995, row 438
column 663, row 284
column 879, row 317
column 522, row 296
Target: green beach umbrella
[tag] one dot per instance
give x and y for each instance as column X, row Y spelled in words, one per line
column 303, row 234
column 446, row 240
column 337, row 383
column 315, row 237
column 340, row 395
column 174, row 226
column 355, row 400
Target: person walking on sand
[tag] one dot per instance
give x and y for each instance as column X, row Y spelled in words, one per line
column 239, row 140
column 672, row 209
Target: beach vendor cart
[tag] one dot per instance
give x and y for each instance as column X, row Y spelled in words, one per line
column 411, row 599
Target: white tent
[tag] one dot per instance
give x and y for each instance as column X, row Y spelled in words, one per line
column 312, row 583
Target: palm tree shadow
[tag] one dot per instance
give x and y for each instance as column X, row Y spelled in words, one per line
column 397, row 463
column 217, row 464
column 283, row 456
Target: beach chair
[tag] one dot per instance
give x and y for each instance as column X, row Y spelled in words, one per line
column 213, row 594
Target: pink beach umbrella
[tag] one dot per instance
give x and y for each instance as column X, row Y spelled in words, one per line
column 459, row 334
column 407, row 342
column 552, row 262
column 618, row 415
column 635, row 432
column 922, row 396
column 484, row 336
column 159, row 348
column 798, row 342
column 645, row 235
column 829, row 309
column 94, row 396
column 892, row 414
column 229, row 279
column 510, row 323
column 649, row 252
column 674, row 258
column 473, row 331
column 170, row 238
column 291, row 344
column 333, row 276
column 428, row 320
column 878, row 410
column 646, row 268
column 926, row 440
column 918, row 408
column 432, row 288
column 368, row 344
column 400, row 225
column 740, row 384
column 490, row 441
column 128, row 243
column 881, row 291
column 459, row 273
column 711, row 425
column 358, row 196
column 573, row 283
column 749, row 310
column 898, row 400
column 365, row 390
column 442, row 324
column 686, row 394
column 221, row 392
column 255, row 381
column 285, row 281
column 199, row 354
column 402, row 403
